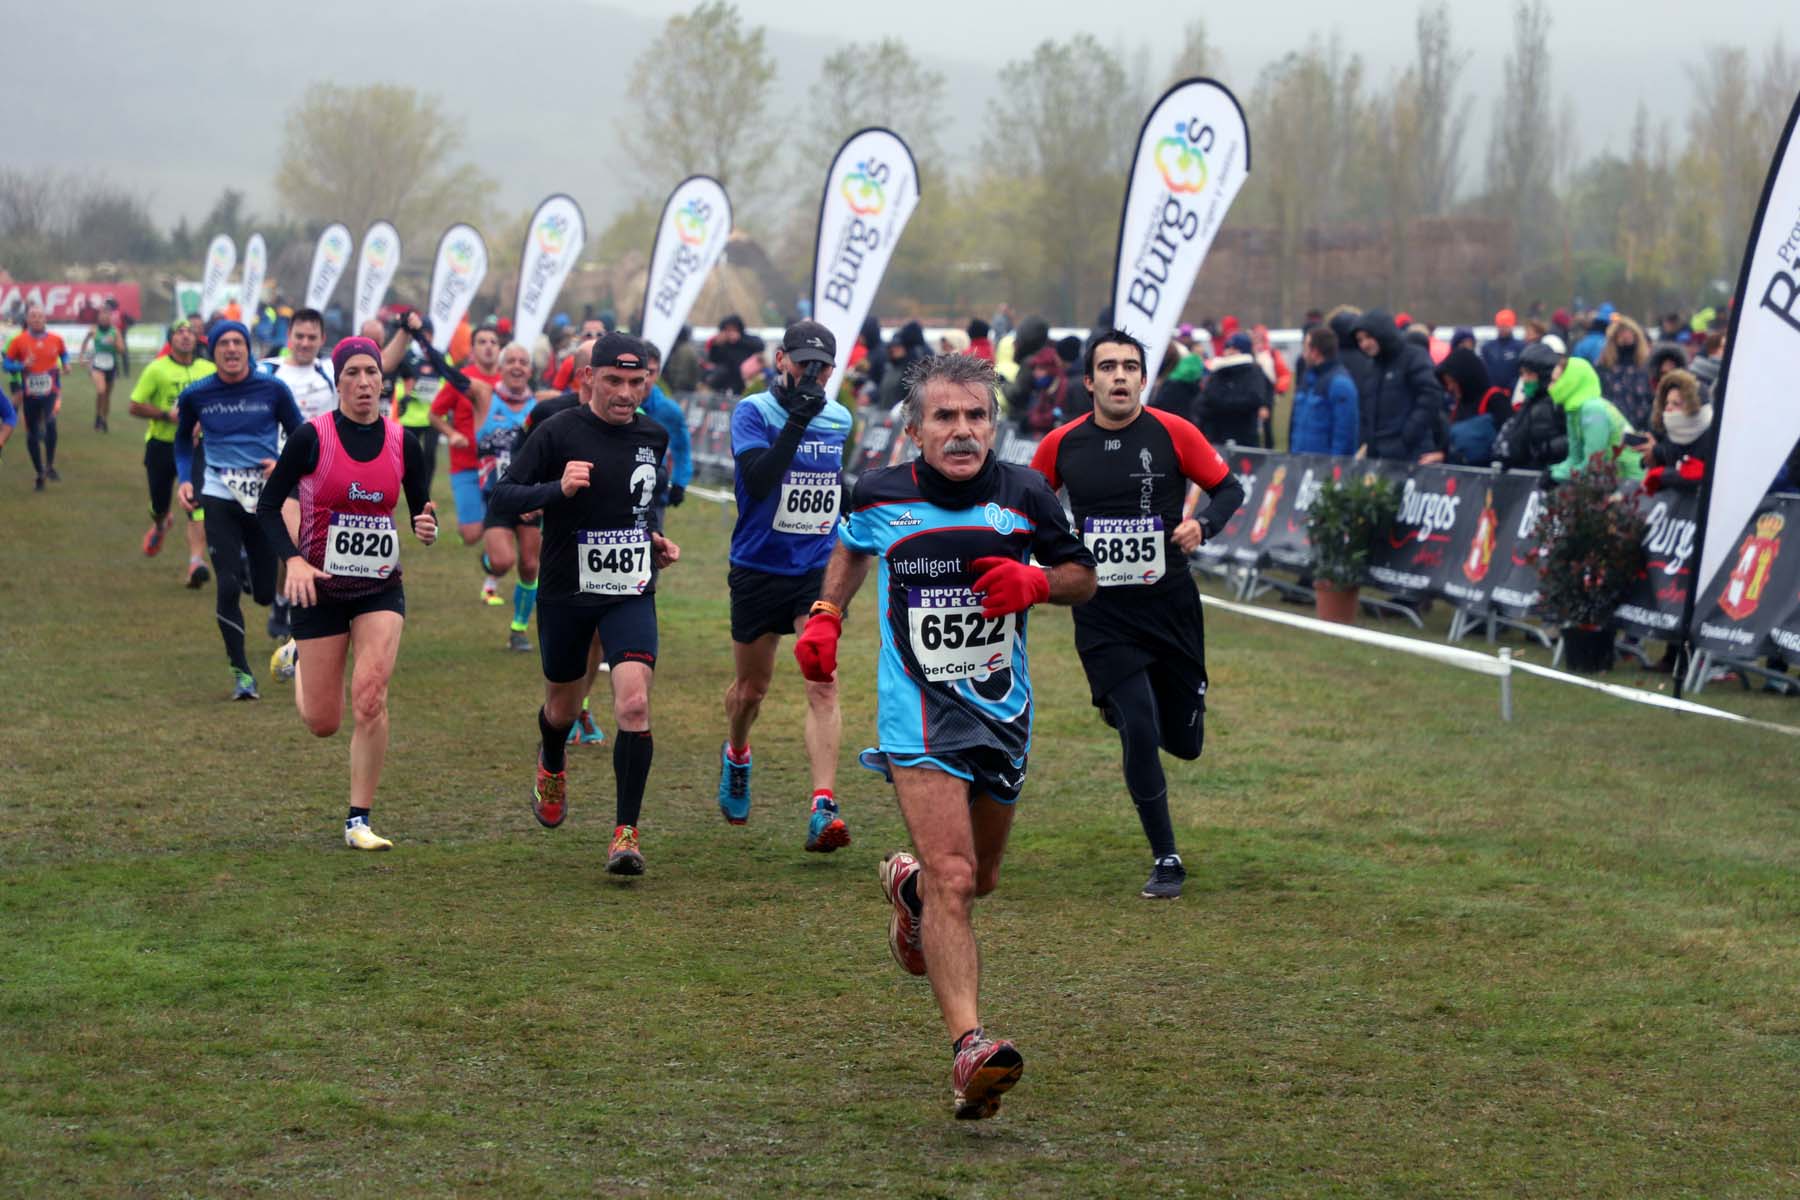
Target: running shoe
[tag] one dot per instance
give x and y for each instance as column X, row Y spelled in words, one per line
column 517, row 642
column 549, row 796
column 734, row 787
column 198, row 576
column 245, row 686
column 278, row 623
column 490, row 592
column 1166, row 878
column 981, row 1073
column 585, row 732
column 54, row 474
column 904, row 935
column 825, row 829
column 39, row 485
column 624, row 857
column 285, row 660
column 358, row 836
column 153, row 540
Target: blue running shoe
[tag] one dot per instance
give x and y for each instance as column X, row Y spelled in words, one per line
column 734, row 787
column 245, row 686
column 825, row 829
column 585, row 732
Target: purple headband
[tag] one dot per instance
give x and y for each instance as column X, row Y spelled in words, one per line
column 349, row 348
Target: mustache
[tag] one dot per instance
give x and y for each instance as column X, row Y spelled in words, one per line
column 962, row 445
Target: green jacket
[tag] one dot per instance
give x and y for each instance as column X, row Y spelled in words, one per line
column 1595, row 425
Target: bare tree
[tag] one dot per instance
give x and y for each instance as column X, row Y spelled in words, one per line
column 702, row 94
column 1197, row 54
column 1522, row 150
column 875, row 83
column 359, row 154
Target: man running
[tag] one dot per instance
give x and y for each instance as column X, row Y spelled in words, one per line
column 347, row 471
column 37, row 357
column 453, row 416
column 658, row 406
column 104, row 349
column 1133, row 475
column 788, row 447
column 242, row 415
column 153, row 400
column 954, row 533
column 507, row 538
column 314, row 395
column 593, row 472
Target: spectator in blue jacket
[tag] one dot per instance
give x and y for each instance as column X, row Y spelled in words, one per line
column 1326, row 409
column 1594, row 340
column 665, row 412
column 1501, row 355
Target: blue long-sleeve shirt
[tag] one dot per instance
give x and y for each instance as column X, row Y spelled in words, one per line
column 242, row 423
column 7, row 415
column 665, row 412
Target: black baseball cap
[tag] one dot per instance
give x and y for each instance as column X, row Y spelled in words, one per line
column 809, row 341
column 619, row 350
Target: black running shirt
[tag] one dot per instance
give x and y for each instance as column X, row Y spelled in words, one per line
column 1126, row 487
column 596, row 542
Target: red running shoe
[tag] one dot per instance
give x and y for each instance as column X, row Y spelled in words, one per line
column 981, row 1073
column 153, row 540
column 549, row 797
column 904, row 935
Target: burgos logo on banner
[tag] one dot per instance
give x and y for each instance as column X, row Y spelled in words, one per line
column 378, row 253
column 552, row 233
column 462, row 256
column 1181, row 163
column 863, row 189
column 336, row 247
column 220, row 252
column 690, row 222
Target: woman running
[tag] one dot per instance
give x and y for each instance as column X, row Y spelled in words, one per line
column 347, row 469
column 104, row 349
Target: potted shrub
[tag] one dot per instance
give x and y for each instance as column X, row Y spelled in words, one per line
column 1590, row 552
column 1343, row 523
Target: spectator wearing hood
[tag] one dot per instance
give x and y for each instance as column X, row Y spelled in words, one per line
column 1480, row 408
column 907, row 347
column 1045, row 403
column 1561, row 323
column 1281, row 377
column 1327, row 409
column 1407, row 412
column 682, row 372
column 979, row 345
column 1463, row 338
column 1594, row 340
column 1686, row 439
column 1342, row 321
column 1179, row 390
column 1594, row 423
column 1535, row 437
column 870, row 340
column 1501, row 355
column 727, row 353
column 1624, row 370
column 1237, row 397
column 1032, row 335
column 1070, row 350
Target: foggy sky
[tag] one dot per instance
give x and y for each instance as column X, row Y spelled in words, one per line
column 179, row 103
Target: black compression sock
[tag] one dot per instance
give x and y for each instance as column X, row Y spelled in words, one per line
column 632, row 751
column 1153, row 814
column 356, row 814
column 556, row 743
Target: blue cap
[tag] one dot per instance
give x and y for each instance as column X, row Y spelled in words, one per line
column 219, row 329
column 559, row 320
column 1605, row 311
column 1240, row 342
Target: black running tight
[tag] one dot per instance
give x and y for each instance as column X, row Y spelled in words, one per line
column 231, row 533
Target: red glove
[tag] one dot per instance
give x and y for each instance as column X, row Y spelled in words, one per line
column 1653, row 481
column 1009, row 586
column 816, row 647
column 1691, row 469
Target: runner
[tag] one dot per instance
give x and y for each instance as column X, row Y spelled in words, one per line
column 242, row 415
column 153, row 400
column 1134, row 476
column 106, row 344
column 658, row 406
column 347, row 470
column 409, row 384
column 593, row 473
column 37, row 357
column 507, row 538
column 314, row 395
column 453, row 416
column 953, row 533
column 9, row 420
column 788, row 446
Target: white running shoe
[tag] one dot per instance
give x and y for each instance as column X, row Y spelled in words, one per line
column 358, row 836
column 285, row 660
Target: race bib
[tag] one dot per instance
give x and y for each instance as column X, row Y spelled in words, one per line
column 614, row 562
column 807, row 502
column 103, row 360
column 425, row 389
column 952, row 640
column 244, row 483
column 40, row 383
column 1128, row 551
column 361, row 547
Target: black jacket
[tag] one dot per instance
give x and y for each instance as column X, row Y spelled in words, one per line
column 1535, row 438
column 1361, row 368
column 1407, row 416
column 1235, row 389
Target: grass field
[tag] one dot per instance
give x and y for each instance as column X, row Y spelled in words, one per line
column 1422, row 952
